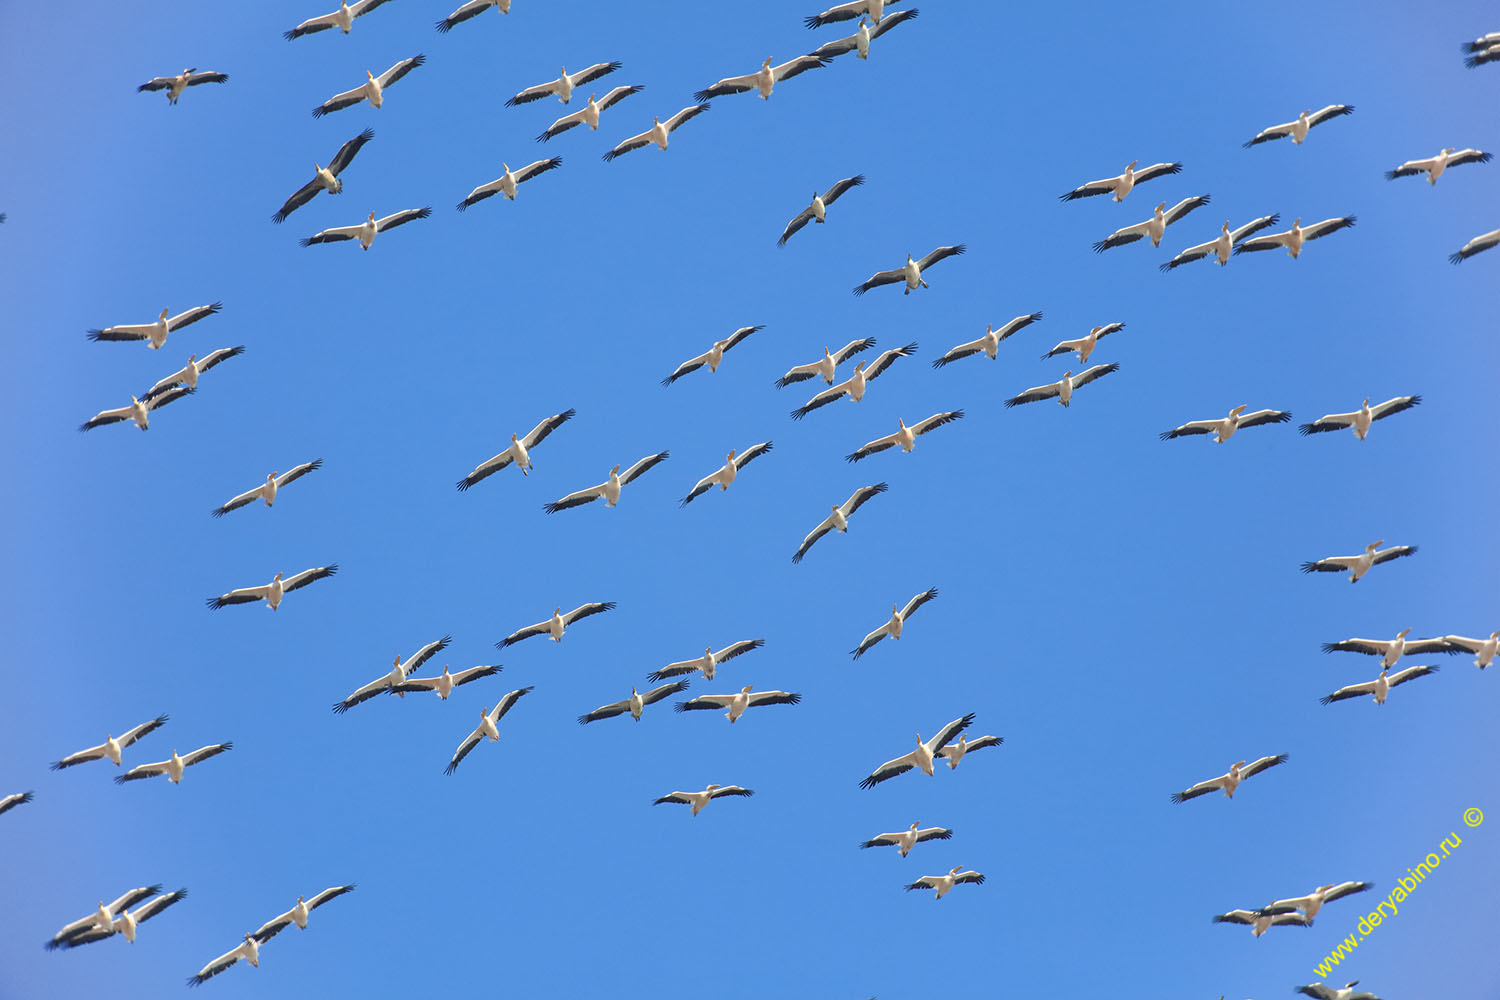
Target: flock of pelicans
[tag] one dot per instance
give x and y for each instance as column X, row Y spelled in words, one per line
column 948, row 744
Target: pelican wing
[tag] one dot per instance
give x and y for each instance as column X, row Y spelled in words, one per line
column 854, row 346
column 1033, row 395
column 758, row 698
column 840, row 187
column 272, row 927
column 204, row 753
column 217, row 966
column 487, row 469
column 1410, row 673
column 1255, row 767
column 800, row 373
column 678, row 669
column 1320, row 229
column 1369, row 647
column 949, row 733
column 1094, row 373
column 1183, row 207
column 1395, row 552
column 302, row 579
column 9, row 802
column 81, row 757
column 1391, row 406
column 797, row 66
column 577, row 499
column 704, row 702
column 703, row 486
column 741, row 334
column 529, row 171
column 812, row 538
column 482, row 192
column 399, row 70
column 337, row 234
column 1332, row 564
column 192, row 316
column 402, row 218
column 925, row 882
column 685, row 115
column 1319, row 992
column 329, row 894
column 364, row 694
column 144, row 729
column 890, row 769
column 1185, row 257
column 1346, row 889
column 301, row 197
column 1477, row 245
column 1120, row 237
column 872, row 448
column 734, row 649
column 843, row 12
column 817, row 402
column 1262, row 243
column 426, row 653
column 616, row 96
column 869, row 641
column 585, row 610
column 142, row 771
column 1268, row 134
column 633, row 143
column 888, row 358
column 536, row 93
column 961, row 351
column 339, row 102
column 471, row 9
column 594, row 72
column 245, row 595
column 605, row 712
column 676, row 798
column 936, row 420
column 941, row 253
column 124, row 331
column 801, row 219
column 732, row 790
column 564, row 123
column 1345, row 693
column 750, row 454
column 1157, row 170
column 298, row 471
column 539, row 433
column 968, row 878
column 1254, row 226
column 916, row 602
column 508, row 702
column 880, row 278
column 1201, row 788
column 860, row 497
column 1258, row 417
column 541, row 628
column 656, row 694
column 691, row 365
column 313, row 25
column 1328, row 422
column 886, row 24
column 1247, row 917
column 1332, row 111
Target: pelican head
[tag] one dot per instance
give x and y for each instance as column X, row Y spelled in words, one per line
column 276, row 578
column 721, row 344
column 1095, row 331
column 1237, row 410
column 299, row 899
column 505, row 166
column 767, row 63
column 730, row 456
column 901, row 422
column 591, row 98
column 712, row 787
column 1131, row 166
column 192, row 358
column 557, row 610
column 317, row 167
column 1226, row 227
column 562, row 70
column 190, row 71
column 1306, row 113
column 826, row 352
column 955, row 869
column 895, row 607
column 908, row 258
column 1067, row 374
column 372, row 216
column 370, row 75
column 860, row 367
column 397, row 661
column 1237, row 765
column 1367, row 402
column 1374, row 545
column 512, row 439
column 1297, row 222
column 1161, row 208
column 137, row 402
column 1402, row 634
column 271, row 477
column 164, row 314
column 615, row 471
column 746, row 689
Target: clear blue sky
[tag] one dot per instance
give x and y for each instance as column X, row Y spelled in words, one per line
column 1127, row 613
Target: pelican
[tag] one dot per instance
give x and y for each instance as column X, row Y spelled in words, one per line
column 1262, row 920
column 1294, row 238
column 1482, row 56
column 1482, row 42
column 989, row 342
column 726, row 473
column 943, row 883
column 1393, row 649
column 557, row 624
column 471, row 9
column 110, row 749
column 156, row 333
column 1227, row 783
column 564, row 84
column 908, row 838
column 635, row 704
column 708, row 662
column 1313, row 901
column 839, row 519
column 9, row 802
column 922, row 756
column 1063, row 390
column 906, row 437
column 910, row 272
column 173, row 766
column 1434, row 166
column 400, row 671
column 763, row 79
column 1484, row 649
column 826, row 365
column 854, row 385
column 486, row 727
column 1223, row 428
column 1298, row 129
column 175, row 85
column 519, row 451
column 1154, row 227
column 188, row 374
column 875, row 9
column 139, row 410
column 954, row 752
column 365, row 231
column 859, row 42
column 325, row 178
column 249, row 951
column 1380, row 687
column 267, row 491
column 1478, row 244
column 101, row 919
column 1084, row 346
column 658, row 132
column 1358, row 566
column 818, row 212
column 1361, row 419
column 589, row 113
column 272, row 592
column 507, row 182
column 1322, row 992
column 342, row 19
column 373, row 89
column 445, row 682
column 298, row 914
column 700, row 799
column 1222, row 246
column 713, row 357
column 127, row 923
column 609, row 490
column 1119, row 187
column 737, row 703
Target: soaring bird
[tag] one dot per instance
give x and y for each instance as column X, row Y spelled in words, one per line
column 1358, row 566
column 922, row 757
column 1154, row 227
column 557, row 624
column 175, row 85
column 708, row 662
column 1223, row 428
column 635, row 704
column 188, row 374
column 874, row 9
column 139, row 410
column 268, row 490
column 609, row 490
column 714, row 356
column 342, row 19
column 839, row 519
column 1298, row 129
column 508, row 182
column 155, row 333
column 126, row 923
column 103, row 918
column 1391, row 650
column 365, row 231
column 1434, row 166
column 1084, row 346
column 111, row 748
column 272, row 592
column 325, row 178
column 1064, row 388
column 1222, row 246
column 658, row 132
column 589, row 113
column 298, row 914
column 910, row 272
column 827, row 365
column 487, row 727
column 1313, row 901
column 1294, row 239
column 944, row 883
column 700, row 799
column 818, row 210
column 399, row 672
column 1227, row 783
column 726, row 473
column 1262, row 920
column 519, row 451
column 1319, row 991
column 372, row 90
column 471, row 9
column 854, row 386
column 737, row 703
column 174, row 766
column 906, row 437
column 1119, row 187
column 859, row 42
column 908, row 838
column 990, row 342
column 955, row 752
column 1380, row 687
column 444, row 683
column 9, row 802
column 564, row 84
column 1361, row 419
column 1478, row 244
column 763, row 79
column 1484, row 650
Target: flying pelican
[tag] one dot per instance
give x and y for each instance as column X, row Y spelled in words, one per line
column 714, row 356
column 854, row 385
column 1482, row 56
column 298, row 914
column 267, row 491
column 700, row 799
column 249, row 951
column 1358, row 566
column 635, row 704
column 954, row 752
column 1084, row 346
column 839, row 519
column 1294, row 238
column 737, row 703
column 989, row 342
column 818, row 212
column 486, row 727
column 1119, row 187
column 325, row 178
column 139, row 410
column 1392, row 650
column 1322, row 992
column 910, row 272
column 1227, row 783
column 110, row 749
column 471, row 9
column 1298, row 129
column 1313, row 901
column 906, row 437
column 1223, row 245
column 173, row 766
column 373, row 89
column 365, row 231
column 1380, row 687
column 103, row 918
column 708, row 662
column 175, row 85
column 610, row 488
column 875, row 9
column 762, row 79
column 507, row 182
column 726, row 473
column 1484, row 649
column 1262, row 920
column 1478, row 244
column 1154, row 227
column 589, row 113
column 155, row 333
column 518, row 452
column 922, row 756
column 188, row 375
column 557, row 624
column 343, row 19
column 9, row 802
column 1223, row 428
column 1063, row 390
column 445, row 682
column 658, row 132
column 1361, row 419
column 859, row 42
column 127, row 923
column 943, row 883
column 272, row 592
column 1434, row 166
column 908, row 838
column 400, row 671
column 826, row 365
column 564, row 84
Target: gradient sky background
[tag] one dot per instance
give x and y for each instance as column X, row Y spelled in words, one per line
column 1127, row 613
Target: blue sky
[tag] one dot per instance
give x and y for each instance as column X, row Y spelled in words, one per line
column 1126, row 612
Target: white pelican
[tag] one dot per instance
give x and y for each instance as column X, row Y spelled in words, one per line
column 738, row 702
column 445, row 682
column 1321, row 992
column 1358, row 566
column 954, row 752
column 1063, row 390
column 635, row 704
column 1154, row 227
column 325, row 178
column 943, row 883
column 708, row 662
column 471, row 9
column 908, row 838
column 1483, row 649
column 564, row 84
column 1227, row 783
column 854, row 385
column 267, row 491
column 399, row 672
column 272, row 592
column 1380, row 687
column 1223, row 428
column 1361, row 419
column 589, row 113
column 1294, row 238
column 859, row 42
column 174, row 765
column 365, row 231
column 518, row 452
column 1391, row 650
column 989, row 342
column 155, row 333
column 111, row 747
column 658, row 132
column 818, row 211
column 373, row 89
column 922, row 756
column 175, row 85
column 127, row 923
column 298, row 914
column 1298, row 129
column 839, row 519
column 1221, row 246
column 1485, row 55
column 1262, row 920
column 906, row 437
column 875, row 9
column 102, row 918
column 249, row 951
column 700, row 799
column 139, row 410
column 342, row 19
column 1478, row 244
column 763, row 79
column 1434, row 166
column 609, row 490
column 188, row 374
column 507, row 182
column 826, row 365
column 486, row 727
column 1084, row 346
column 9, row 802
column 726, row 473
column 713, row 357
column 557, row 624
column 1119, row 187
column 910, row 272
column 1313, row 901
